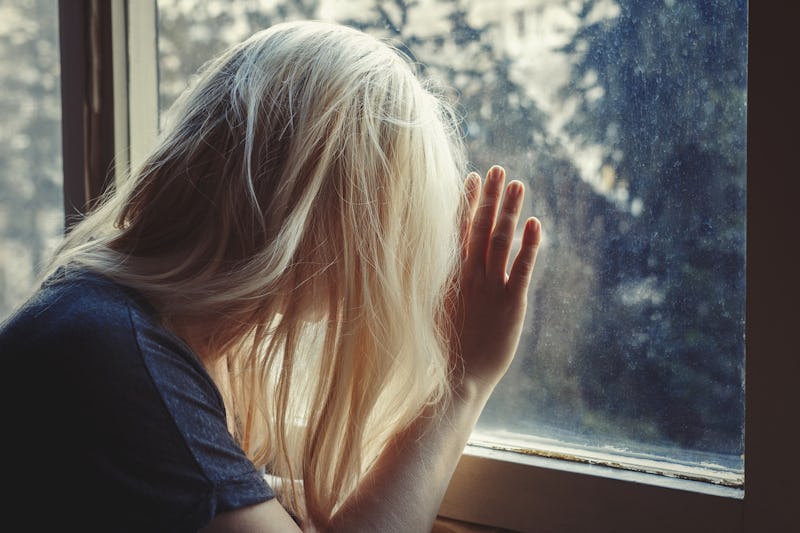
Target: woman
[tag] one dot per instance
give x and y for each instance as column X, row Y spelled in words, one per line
column 296, row 281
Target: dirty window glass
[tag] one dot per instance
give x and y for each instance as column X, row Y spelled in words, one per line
column 626, row 119
column 31, row 200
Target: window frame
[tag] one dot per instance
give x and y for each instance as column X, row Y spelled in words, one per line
column 505, row 489
column 87, row 102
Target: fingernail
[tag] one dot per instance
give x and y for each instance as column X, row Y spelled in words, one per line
column 533, row 228
column 514, row 189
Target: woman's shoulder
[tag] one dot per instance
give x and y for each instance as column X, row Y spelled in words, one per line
column 68, row 309
column 82, row 330
column 81, row 320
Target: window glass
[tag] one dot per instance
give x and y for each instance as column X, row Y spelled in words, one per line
column 31, row 202
column 626, row 119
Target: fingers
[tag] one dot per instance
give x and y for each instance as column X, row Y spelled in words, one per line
column 491, row 234
column 472, row 195
column 483, row 223
column 503, row 234
column 520, row 277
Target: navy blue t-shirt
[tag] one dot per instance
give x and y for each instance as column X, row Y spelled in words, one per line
column 112, row 423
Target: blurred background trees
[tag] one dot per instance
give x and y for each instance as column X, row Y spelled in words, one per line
column 31, row 211
column 671, row 119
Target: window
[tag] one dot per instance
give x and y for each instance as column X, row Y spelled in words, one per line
column 627, row 121
column 31, row 209
column 539, row 493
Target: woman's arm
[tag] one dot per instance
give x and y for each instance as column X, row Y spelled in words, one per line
column 404, row 490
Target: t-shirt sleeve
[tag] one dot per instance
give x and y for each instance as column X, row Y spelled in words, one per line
column 198, row 414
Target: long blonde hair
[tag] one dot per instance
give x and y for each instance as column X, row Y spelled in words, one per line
column 301, row 208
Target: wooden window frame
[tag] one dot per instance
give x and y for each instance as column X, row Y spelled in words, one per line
column 109, row 47
column 106, row 129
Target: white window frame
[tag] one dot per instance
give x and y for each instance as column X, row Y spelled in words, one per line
column 537, row 494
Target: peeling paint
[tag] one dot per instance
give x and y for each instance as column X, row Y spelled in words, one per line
column 703, row 472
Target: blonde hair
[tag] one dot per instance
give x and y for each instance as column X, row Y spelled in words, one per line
column 302, row 208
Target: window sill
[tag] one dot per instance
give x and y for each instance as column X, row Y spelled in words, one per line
column 503, row 489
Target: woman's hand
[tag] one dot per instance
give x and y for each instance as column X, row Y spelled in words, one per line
column 491, row 301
